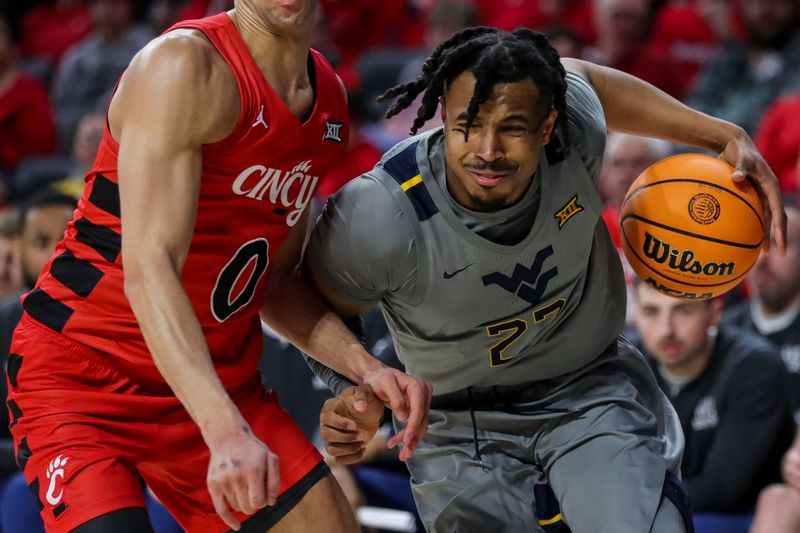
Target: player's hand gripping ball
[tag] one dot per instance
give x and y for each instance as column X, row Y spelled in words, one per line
column 688, row 230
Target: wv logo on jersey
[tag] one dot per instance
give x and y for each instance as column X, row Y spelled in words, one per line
column 529, row 284
column 568, row 211
column 333, row 131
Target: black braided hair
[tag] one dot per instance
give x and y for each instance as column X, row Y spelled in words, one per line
column 493, row 56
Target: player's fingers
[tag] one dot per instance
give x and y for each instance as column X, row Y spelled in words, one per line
column 339, row 449
column 236, row 494
column 335, row 420
column 417, row 438
column 256, row 489
column 390, row 392
column 273, row 478
column 330, row 434
column 222, row 508
column 361, row 398
column 418, row 406
column 396, row 439
column 343, row 460
column 773, row 206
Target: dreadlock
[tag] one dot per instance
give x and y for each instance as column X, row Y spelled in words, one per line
column 493, row 56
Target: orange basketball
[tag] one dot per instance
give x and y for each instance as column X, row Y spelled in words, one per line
column 688, row 230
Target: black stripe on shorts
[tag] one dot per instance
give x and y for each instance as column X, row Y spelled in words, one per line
column 267, row 517
column 101, row 239
column 78, row 275
column 105, row 195
column 47, row 310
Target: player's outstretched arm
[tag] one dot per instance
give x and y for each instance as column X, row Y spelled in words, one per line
column 314, row 324
column 634, row 106
column 172, row 100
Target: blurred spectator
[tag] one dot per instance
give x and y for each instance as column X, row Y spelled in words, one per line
column 196, row 9
column 88, row 72
column 382, row 69
column 538, row 14
column 622, row 31
column 778, row 509
column 778, row 139
column 10, row 268
column 26, row 118
column 41, row 225
column 52, row 27
column 774, row 310
column 161, row 14
column 565, row 40
column 745, row 78
column 88, row 135
column 729, row 390
column 691, row 33
column 626, row 156
column 358, row 26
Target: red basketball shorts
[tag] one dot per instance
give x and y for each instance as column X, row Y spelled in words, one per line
column 85, row 435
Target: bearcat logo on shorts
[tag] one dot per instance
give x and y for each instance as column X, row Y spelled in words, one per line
column 55, row 472
column 684, row 261
column 289, row 188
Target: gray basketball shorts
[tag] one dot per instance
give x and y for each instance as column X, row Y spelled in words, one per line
column 596, row 450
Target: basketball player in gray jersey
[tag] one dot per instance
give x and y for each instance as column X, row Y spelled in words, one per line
column 502, row 289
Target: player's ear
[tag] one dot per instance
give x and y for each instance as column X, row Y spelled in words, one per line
column 549, row 125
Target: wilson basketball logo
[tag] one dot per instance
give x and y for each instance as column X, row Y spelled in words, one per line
column 704, row 208
column 683, row 261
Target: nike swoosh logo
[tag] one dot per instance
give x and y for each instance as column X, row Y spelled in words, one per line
column 448, row 275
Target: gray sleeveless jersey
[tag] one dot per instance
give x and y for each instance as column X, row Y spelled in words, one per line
column 464, row 310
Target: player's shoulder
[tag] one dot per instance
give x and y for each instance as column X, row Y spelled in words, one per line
column 186, row 53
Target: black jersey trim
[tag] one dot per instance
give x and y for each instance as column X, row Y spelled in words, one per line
column 105, row 195
column 47, row 310
column 79, row 275
column 101, row 239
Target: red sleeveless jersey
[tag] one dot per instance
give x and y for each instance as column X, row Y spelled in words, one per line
column 255, row 185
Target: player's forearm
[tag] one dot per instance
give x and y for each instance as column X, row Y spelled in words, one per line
column 634, row 106
column 176, row 342
column 294, row 308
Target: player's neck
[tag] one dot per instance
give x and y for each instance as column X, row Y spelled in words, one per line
column 282, row 56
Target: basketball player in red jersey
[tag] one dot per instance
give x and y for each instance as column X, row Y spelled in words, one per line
column 136, row 355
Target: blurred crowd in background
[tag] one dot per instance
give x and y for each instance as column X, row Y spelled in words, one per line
column 735, row 59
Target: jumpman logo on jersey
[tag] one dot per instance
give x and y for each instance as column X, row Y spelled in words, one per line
column 260, row 119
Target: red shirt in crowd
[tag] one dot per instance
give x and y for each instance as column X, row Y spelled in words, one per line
column 49, row 31
column 509, row 14
column 26, row 122
column 778, row 139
